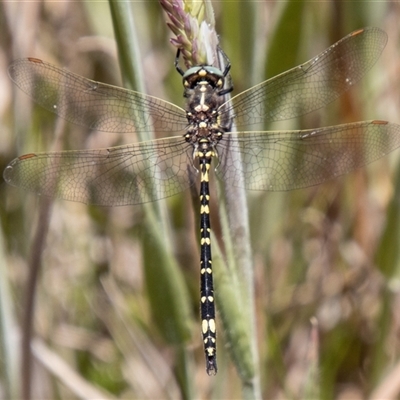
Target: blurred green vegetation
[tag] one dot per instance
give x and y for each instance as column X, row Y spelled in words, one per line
column 103, row 324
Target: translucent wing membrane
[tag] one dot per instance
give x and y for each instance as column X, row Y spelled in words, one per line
column 311, row 85
column 93, row 104
column 153, row 170
column 279, row 160
column 148, row 171
column 116, row 176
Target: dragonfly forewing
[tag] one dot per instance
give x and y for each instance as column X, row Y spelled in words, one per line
column 92, row 104
column 311, row 85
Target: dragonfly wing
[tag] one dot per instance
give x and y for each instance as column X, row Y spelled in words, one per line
column 129, row 174
column 279, row 160
column 311, row 85
column 93, row 104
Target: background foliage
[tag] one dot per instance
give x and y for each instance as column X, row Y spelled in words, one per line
column 326, row 259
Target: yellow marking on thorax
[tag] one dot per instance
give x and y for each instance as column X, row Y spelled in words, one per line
column 202, row 106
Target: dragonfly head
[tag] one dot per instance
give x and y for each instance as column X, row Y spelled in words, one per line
column 204, row 74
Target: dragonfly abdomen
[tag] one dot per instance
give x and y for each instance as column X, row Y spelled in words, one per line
column 207, row 305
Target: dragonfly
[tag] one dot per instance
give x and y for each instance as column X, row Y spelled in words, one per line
column 199, row 136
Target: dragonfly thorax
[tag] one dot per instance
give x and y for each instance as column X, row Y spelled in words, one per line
column 203, row 130
column 203, row 85
column 204, row 121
